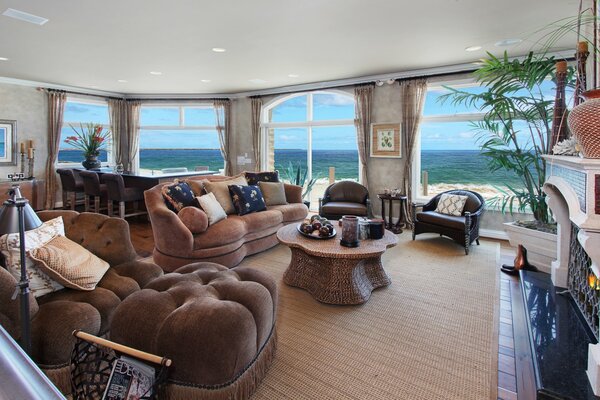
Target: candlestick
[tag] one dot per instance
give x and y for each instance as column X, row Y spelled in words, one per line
column 31, row 158
column 30, row 144
column 22, row 160
column 30, row 152
column 22, row 147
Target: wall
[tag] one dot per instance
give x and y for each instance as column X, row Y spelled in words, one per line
column 28, row 107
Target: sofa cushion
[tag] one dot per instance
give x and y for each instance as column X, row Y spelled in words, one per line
column 178, row 195
column 220, row 190
column 256, row 222
column 264, row 176
column 291, row 212
column 273, row 193
column 451, row 204
column 247, row 199
column 344, row 208
column 69, row 264
column 226, row 231
column 194, row 219
column 435, row 218
column 212, row 208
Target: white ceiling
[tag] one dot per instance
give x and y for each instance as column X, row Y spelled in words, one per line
column 92, row 44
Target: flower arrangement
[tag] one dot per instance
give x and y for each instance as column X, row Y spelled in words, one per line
column 90, row 138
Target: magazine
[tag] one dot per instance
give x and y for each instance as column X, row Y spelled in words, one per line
column 130, row 379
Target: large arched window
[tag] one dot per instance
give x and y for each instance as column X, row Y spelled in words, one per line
column 314, row 131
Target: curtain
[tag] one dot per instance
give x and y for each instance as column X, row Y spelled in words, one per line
column 223, row 114
column 133, row 135
column 117, row 111
column 363, row 101
column 412, row 95
column 56, row 108
column 256, row 139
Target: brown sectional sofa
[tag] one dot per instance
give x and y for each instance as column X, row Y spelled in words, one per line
column 180, row 240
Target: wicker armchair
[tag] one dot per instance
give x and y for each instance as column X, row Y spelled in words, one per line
column 463, row 229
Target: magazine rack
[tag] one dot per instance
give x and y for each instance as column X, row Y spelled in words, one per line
column 92, row 360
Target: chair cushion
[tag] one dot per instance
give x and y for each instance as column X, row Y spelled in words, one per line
column 344, row 208
column 69, row 263
column 435, row 218
column 291, row 212
column 247, row 199
column 451, row 204
column 265, row 176
column 221, row 191
column 273, row 193
column 212, row 208
column 178, row 195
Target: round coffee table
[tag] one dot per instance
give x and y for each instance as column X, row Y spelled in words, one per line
column 332, row 273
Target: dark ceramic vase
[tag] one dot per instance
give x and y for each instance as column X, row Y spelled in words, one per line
column 91, row 162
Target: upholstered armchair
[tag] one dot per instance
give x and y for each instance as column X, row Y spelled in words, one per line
column 345, row 198
column 463, row 229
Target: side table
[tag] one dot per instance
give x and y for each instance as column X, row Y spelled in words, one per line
column 397, row 227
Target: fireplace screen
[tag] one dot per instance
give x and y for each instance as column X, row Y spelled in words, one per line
column 584, row 295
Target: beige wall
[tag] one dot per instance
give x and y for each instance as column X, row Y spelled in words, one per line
column 28, row 107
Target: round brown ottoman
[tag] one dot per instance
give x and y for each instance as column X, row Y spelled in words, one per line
column 216, row 324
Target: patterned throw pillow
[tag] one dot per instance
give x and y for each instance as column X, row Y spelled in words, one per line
column 247, row 199
column 265, row 176
column 69, row 263
column 178, row 195
column 39, row 283
column 451, row 204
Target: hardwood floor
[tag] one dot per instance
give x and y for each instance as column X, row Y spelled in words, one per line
column 143, row 241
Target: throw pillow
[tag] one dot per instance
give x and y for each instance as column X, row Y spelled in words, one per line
column 247, row 199
column 213, row 209
column 69, row 263
column 178, row 195
column 273, row 193
column 196, row 186
column 221, row 191
column 39, row 283
column 265, row 176
column 451, row 204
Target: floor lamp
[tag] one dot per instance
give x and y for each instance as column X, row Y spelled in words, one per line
column 16, row 215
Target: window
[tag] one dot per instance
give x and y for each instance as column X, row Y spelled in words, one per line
column 178, row 136
column 81, row 111
column 314, row 131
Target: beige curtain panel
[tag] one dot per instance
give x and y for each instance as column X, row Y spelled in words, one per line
column 363, row 102
column 133, row 135
column 412, row 94
column 56, row 108
column 117, row 111
column 256, row 136
column 223, row 114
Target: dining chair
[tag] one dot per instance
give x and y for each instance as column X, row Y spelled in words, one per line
column 117, row 192
column 93, row 189
column 72, row 185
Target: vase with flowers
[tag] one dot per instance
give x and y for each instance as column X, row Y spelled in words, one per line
column 89, row 138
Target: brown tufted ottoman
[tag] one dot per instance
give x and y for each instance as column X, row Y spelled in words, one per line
column 216, row 324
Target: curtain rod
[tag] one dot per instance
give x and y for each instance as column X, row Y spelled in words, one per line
column 132, row 98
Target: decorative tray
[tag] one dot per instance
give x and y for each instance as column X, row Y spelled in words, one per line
column 315, row 234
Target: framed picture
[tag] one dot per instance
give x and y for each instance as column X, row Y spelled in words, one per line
column 8, row 142
column 385, row 140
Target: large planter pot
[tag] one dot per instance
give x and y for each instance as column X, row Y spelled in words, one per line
column 584, row 123
column 91, row 162
column 541, row 246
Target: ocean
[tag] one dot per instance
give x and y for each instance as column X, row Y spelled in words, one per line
column 443, row 166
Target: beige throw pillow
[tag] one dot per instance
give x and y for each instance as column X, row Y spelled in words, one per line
column 212, row 208
column 69, row 263
column 273, row 193
column 451, row 204
column 39, row 283
column 221, row 191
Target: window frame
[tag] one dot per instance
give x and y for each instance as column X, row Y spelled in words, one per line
column 309, row 124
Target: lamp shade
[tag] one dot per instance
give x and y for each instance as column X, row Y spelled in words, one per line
column 9, row 216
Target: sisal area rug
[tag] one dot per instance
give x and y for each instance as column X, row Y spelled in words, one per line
column 431, row 334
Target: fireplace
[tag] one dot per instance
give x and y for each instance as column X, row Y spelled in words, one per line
column 573, row 189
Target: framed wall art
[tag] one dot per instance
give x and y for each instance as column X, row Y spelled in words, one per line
column 385, row 140
column 8, row 142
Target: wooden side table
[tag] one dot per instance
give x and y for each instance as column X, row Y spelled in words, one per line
column 397, row 227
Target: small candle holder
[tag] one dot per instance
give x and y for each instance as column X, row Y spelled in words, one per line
column 23, row 163
column 30, row 162
column 349, row 231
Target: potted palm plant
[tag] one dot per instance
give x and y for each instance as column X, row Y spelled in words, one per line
column 513, row 134
column 297, row 175
column 89, row 138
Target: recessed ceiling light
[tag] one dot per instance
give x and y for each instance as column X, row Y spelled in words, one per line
column 293, row 75
column 204, row 80
column 507, row 42
column 257, row 80
column 121, row 81
column 155, row 73
column 23, row 16
column 3, row 59
column 473, row 48
column 219, row 50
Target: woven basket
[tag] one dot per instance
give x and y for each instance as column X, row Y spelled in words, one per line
column 584, row 123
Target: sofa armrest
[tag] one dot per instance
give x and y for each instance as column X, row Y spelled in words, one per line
column 293, row 193
column 9, row 307
column 194, row 219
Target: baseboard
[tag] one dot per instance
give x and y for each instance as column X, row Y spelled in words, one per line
column 493, row 234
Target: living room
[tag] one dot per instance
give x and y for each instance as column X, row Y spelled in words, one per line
column 382, row 102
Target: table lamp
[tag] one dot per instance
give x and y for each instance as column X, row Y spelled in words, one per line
column 16, row 215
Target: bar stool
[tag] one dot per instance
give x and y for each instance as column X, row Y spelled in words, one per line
column 71, row 185
column 117, row 192
column 93, row 189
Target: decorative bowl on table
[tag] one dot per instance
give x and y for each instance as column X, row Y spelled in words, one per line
column 317, row 228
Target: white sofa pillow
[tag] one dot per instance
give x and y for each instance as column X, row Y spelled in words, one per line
column 213, row 209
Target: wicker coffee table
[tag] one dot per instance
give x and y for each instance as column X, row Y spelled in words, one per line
column 332, row 273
